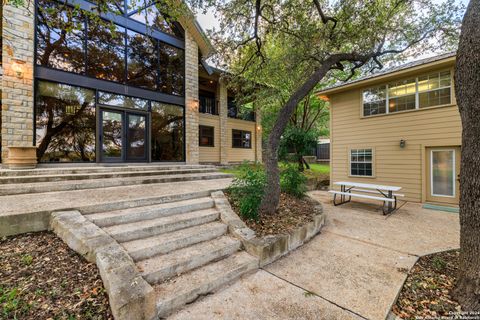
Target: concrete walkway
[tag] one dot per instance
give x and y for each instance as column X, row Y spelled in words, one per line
column 353, row 270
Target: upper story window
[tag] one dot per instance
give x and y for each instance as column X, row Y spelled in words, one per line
column 68, row 41
column 414, row 93
column 208, row 104
column 152, row 17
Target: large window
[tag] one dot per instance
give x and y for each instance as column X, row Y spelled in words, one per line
column 206, row 136
column 167, row 132
column 410, row 94
column 151, row 16
column 68, row 41
column 241, row 139
column 244, row 112
column 60, row 37
column 208, row 103
column 64, row 123
column 361, row 162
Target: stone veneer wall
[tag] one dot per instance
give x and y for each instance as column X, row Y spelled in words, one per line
column 17, row 91
column 223, row 114
column 191, row 99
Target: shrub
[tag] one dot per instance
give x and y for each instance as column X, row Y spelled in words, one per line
column 293, row 181
column 247, row 190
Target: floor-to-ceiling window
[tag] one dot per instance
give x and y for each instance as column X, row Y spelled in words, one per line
column 98, row 67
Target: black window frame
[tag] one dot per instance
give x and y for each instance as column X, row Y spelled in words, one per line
column 242, row 140
column 211, row 137
column 202, row 97
column 82, row 80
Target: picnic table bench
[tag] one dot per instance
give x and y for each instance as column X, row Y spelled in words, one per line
column 383, row 193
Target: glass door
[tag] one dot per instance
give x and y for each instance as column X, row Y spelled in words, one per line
column 442, row 175
column 111, row 135
column 136, row 142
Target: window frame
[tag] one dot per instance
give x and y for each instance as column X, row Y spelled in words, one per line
column 210, row 145
column 243, row 133
column 417, row 94
column 372, row 149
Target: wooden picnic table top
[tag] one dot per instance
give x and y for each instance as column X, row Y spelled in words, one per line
column 367, row 186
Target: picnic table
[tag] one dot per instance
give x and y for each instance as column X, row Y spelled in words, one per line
column 381, row 192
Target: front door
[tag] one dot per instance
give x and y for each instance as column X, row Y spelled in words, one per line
column 123, row 136
column 443, row 169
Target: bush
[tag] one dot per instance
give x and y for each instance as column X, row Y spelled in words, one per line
column 293, row 181
column 247, row 190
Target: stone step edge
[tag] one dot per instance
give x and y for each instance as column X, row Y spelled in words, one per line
column 100, row 175
column 178, row 262
column 129, row 295
column 73, row 185
column 166, row 307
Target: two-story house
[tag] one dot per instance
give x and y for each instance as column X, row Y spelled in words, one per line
column 399, row 127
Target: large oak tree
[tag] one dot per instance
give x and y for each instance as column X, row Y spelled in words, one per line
column 467, row 84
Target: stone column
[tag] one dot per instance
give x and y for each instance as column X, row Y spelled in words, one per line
column 191, row 99
column 17, row 81
column 223, row 114
column 258, row 135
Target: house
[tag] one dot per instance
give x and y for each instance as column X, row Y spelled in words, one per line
column 399, row 127
column 135, row 88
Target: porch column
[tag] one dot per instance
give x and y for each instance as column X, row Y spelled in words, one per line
column 258, row 135
column 223, row 114
column 191, row 100
column 17, row 86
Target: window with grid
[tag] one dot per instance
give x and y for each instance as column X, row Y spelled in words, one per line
column 241, row 139
column 361, row 162
column 421, row 92
column 206, row 136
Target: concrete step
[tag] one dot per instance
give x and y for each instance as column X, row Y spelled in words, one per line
column 162, row 267
column 100, row 175
column 152, row 227
column 186, row 288
column 41, row 187
column 110, row 218
column 164, row 243
column 68, row 169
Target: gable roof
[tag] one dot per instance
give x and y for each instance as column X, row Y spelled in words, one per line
column 388, row 72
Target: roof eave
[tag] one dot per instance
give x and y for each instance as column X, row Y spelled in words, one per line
column 385, row 77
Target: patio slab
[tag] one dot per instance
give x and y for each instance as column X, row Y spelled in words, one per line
column 354, row 268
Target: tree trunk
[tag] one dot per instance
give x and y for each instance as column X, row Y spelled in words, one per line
column 467, row 83
column 271, row 197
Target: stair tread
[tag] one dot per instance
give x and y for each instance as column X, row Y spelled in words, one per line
column 185, row 255
column 201, row 281
column 144, row 224
column 136, row 210
column 165, row 238
column 106, row 180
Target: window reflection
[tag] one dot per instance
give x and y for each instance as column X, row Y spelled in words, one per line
column 142, row 61
column 65, row 123
column 152, row 17
column 56, row 47
column 167, row 132
column 118, row 100
column 171, row 69
column 106, row 52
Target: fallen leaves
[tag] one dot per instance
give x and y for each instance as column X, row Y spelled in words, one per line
column 426, row 292
column 41, row 278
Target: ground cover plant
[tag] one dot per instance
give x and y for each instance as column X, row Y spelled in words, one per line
column 42, row 278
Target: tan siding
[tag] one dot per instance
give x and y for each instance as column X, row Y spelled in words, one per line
column 392, row 165
column 239, row 154
column 211, row 154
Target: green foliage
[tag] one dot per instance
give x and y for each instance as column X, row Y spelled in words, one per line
column 27, row 259
column 12, row 304
column 293, row 181
column 439, row 264
column 247, row 188
column 298, row 141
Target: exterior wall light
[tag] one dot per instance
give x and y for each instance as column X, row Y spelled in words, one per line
column 259, row 128
column 18, row 67
column 324, row 98
column 402, row 143
column 195, row 105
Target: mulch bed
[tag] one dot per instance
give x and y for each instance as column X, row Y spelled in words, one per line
column 292, row 213
column 42, row 278
column 427, row 291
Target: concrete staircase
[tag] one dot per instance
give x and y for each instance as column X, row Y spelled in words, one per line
column 14, row 182
column 181, row 248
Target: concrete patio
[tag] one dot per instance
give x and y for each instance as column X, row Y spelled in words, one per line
column 353, row 270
